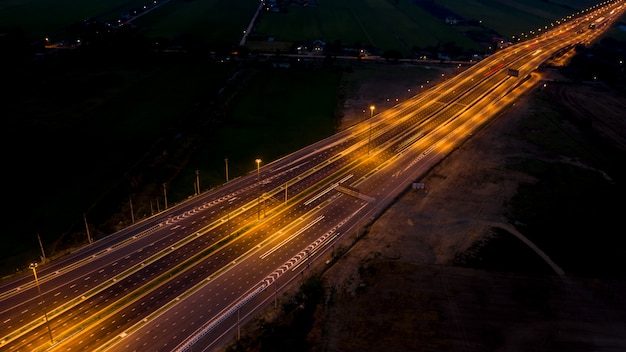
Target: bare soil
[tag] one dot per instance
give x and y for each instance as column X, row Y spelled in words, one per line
column 398, row 288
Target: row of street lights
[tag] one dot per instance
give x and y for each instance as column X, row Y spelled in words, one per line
column 258, row 182
column 33, row 266
column 197, row 184
column 372, row 108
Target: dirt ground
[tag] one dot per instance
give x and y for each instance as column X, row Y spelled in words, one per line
column 397, row 289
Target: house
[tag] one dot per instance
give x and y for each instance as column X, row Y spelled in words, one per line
column 318, row 46
column 452, row 20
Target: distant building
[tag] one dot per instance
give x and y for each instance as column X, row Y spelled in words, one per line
column 318, row 46
column 306, row 3
column 500, row 43
column 315, row 47
column 417, row 185
column 452, row 20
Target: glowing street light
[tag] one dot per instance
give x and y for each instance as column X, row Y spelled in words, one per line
column 33, row 266
column 258, row 181
column 369, row 138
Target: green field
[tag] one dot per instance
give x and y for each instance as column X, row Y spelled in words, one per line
column 382, row 24
column 270, row 120
column 375, row 23
column 210, row 21
column 40, row 18
column 511, row 18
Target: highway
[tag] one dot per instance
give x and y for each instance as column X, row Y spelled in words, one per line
column 190, row 276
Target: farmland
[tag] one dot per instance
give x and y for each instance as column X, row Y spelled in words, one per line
column 214, row 21
column 374, row 24
column 511, row 18
column 40, row 18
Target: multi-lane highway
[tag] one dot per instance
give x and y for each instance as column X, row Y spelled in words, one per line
column 191, row 275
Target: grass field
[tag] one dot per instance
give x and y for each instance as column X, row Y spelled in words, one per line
column 40, row 18
column 511, row 18
column 377, row 23
column 210, row 21
column 279, row 112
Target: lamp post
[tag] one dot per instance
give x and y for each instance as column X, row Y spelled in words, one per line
column 226, row 162
column 132, row 213
column 33, row 266
column 369, row 139
column 198, row 181
column 165, row 195
column 87, row 228
column 258, row 182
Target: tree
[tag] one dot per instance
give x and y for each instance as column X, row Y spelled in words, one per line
column 392, row 55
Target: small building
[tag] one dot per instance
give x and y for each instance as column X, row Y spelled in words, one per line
column 417, row 185
column 318, row 46
column 452, row 20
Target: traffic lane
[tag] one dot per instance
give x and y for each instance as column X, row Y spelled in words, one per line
column 163, row 293
column 235, row 282
column 144, row 307
column 98, row 270
column 217, row 291
column 148, row 271
column 25, row 308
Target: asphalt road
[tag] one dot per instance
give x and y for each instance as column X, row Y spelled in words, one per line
column 193, row 273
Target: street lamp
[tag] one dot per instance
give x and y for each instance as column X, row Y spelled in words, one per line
column 198, row 181
column 226, row 162
column 258, row 181
column 165, row 194
column 369, row 139
column 33, row 266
